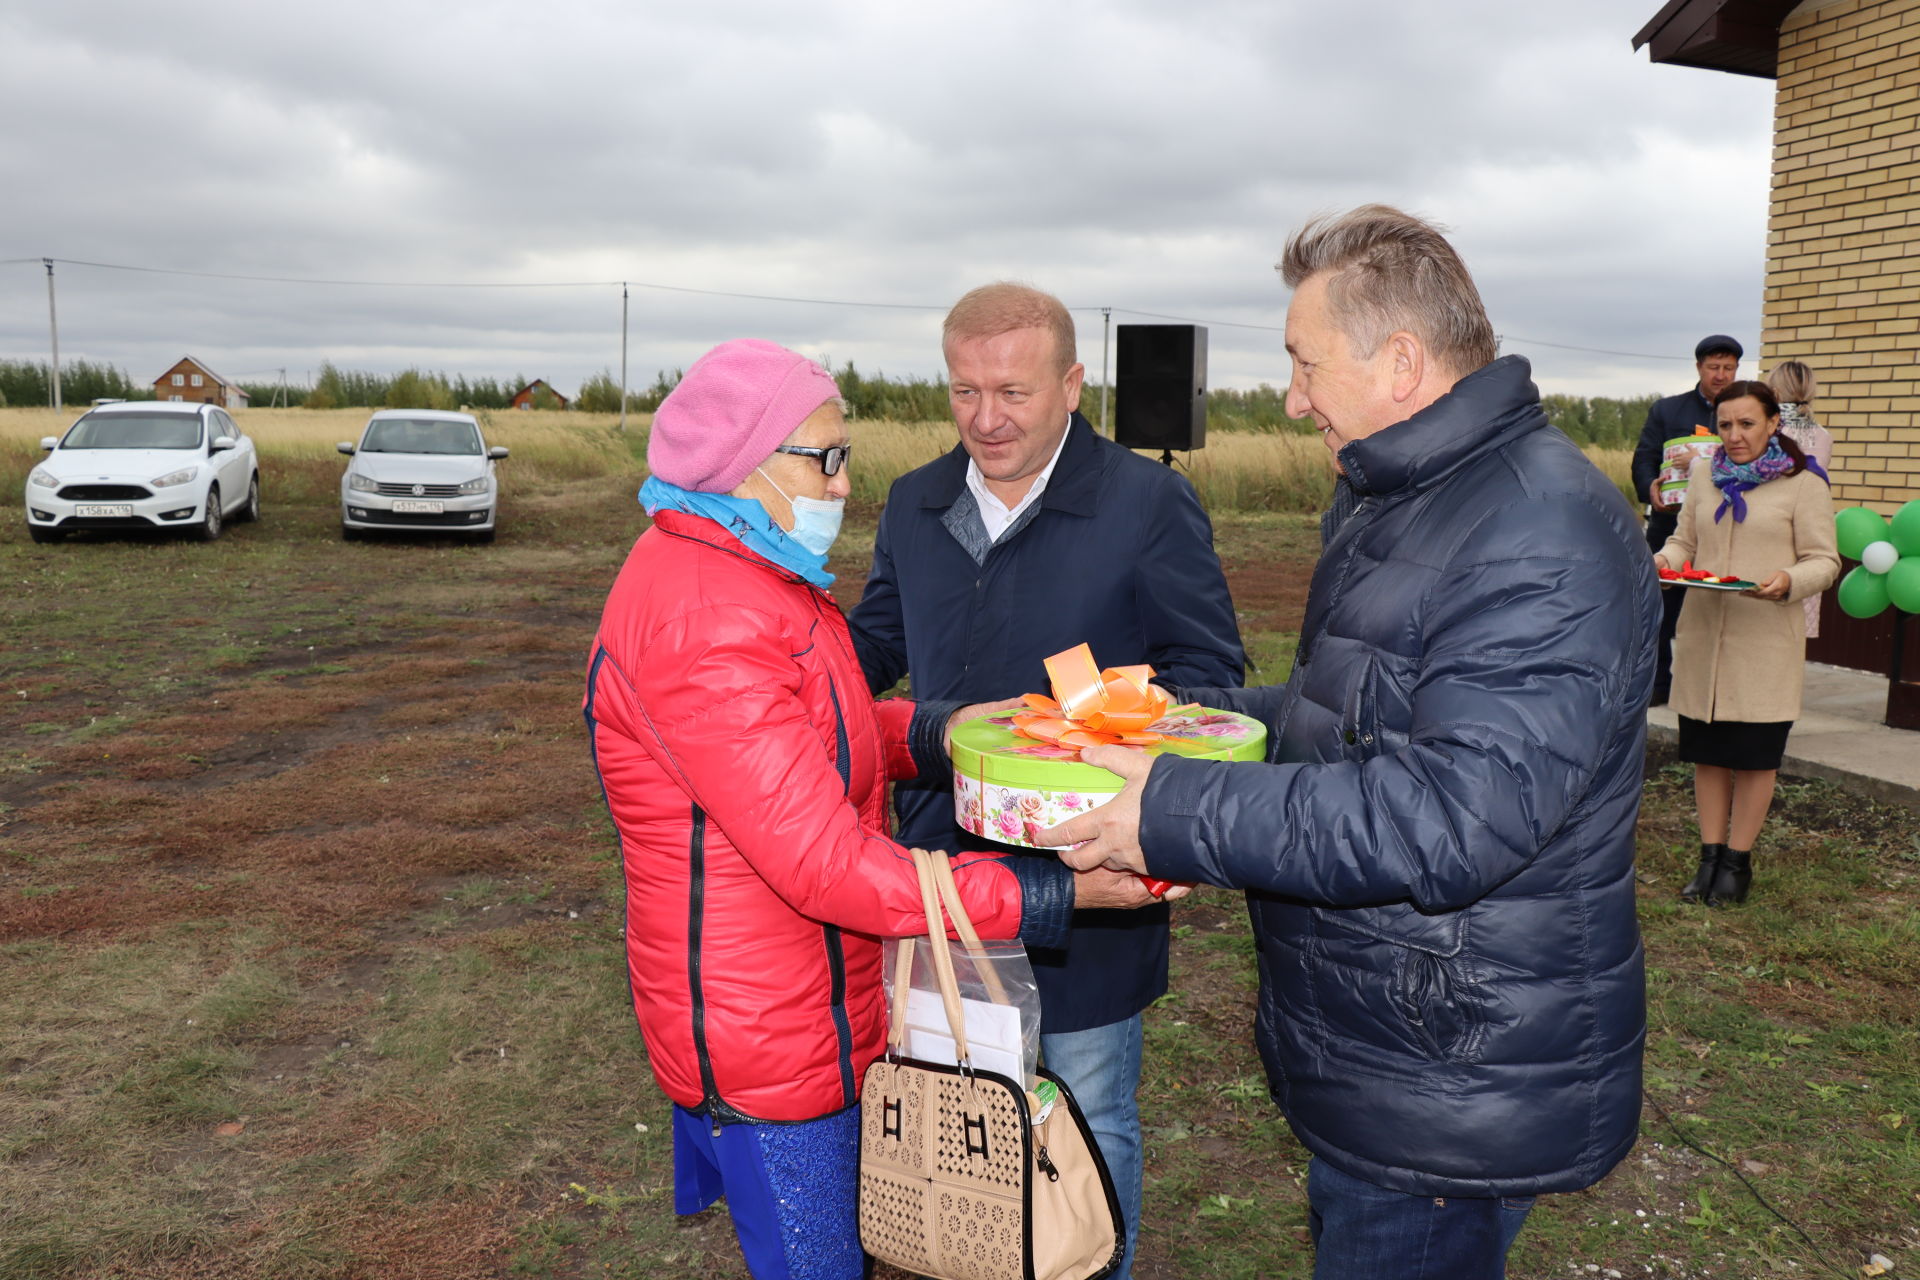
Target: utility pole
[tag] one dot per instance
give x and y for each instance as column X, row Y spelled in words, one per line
column 1106, row 331
column 623, row 357
column 53, row 326
column 283, row 401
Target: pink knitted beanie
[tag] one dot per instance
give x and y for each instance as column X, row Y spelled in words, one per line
column 733, row 406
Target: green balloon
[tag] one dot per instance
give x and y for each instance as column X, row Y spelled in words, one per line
column 1903, row 581
column 1858, row 527
column 1906, row 530
column 1863, row 594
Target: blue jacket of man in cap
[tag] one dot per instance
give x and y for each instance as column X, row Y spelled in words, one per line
column 1717, row 362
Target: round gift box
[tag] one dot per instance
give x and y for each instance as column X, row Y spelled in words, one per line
column 1006, row 787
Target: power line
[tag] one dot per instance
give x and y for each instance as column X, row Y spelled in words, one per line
column 1598, row 351
column 1223, row 324
column 361, row 284
column 725, row 293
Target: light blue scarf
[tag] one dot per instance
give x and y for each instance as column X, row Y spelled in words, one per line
column 745, row 519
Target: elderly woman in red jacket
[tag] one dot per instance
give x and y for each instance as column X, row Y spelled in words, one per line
column 746, row 768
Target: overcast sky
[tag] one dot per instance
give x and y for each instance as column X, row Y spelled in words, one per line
column 1140, row 155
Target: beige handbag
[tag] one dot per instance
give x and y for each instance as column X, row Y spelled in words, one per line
column 956, row 1181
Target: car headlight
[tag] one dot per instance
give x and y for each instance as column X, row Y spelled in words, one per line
column 474, row 486
column 172, row 478
column 360, row 484
column 43, row 479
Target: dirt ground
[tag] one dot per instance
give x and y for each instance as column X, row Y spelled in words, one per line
column 311, row 926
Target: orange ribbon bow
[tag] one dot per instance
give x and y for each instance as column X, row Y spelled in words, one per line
column 1091, row 707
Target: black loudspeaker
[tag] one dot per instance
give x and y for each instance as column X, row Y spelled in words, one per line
column 1160, row 383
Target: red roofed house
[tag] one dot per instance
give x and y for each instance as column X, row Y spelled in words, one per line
column 193, row 382
column 525, row 396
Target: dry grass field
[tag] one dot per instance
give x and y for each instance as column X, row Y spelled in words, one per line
column 1237, row 471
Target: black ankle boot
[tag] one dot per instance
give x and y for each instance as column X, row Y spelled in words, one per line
column 1710, row 855
column 1733, row 879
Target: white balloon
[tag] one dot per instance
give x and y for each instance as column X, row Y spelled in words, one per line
column 1879, row 557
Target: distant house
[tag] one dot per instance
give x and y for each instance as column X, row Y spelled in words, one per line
column 524, row 397
column 192, row 381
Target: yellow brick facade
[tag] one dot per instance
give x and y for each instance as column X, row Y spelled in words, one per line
column 1843, row 236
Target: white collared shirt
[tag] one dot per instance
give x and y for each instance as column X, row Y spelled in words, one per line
column 996, row 515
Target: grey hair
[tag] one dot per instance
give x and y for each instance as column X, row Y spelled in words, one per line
column 1793, row 382
column 1391, row 271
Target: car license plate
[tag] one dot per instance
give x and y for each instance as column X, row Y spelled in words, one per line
column 104, row 509
column 419, row 508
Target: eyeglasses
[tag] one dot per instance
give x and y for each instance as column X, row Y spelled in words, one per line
column 832, row 458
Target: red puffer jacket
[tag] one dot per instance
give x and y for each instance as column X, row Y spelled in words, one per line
column 746, row 768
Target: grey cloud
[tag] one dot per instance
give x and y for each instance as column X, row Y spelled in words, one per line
column 1129, row 154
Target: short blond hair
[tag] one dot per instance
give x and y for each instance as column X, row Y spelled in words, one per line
column 1390, row 271
column 1793, row 382
column 1004, row 306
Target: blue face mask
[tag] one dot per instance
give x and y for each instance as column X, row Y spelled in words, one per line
column 816, row 521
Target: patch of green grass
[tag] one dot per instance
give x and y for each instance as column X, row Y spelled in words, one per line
column 1270, row 656
column 195, row 1087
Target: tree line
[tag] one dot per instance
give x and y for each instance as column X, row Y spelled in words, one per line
column 1597, row 420
column 30, row 382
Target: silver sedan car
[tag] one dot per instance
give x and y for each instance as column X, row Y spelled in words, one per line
column 420, row 471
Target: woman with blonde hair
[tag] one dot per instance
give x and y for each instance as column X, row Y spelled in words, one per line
column 1795, row 385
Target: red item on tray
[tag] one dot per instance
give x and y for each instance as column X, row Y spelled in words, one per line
column 1687, row 573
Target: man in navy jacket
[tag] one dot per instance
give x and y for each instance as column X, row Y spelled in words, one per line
column 1716, row 358
column 1033, row 535
column 1439, row 853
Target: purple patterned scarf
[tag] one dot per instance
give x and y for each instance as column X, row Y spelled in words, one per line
column 1735, row 478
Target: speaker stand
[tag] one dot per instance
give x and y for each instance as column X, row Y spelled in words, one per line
column 1166, row 457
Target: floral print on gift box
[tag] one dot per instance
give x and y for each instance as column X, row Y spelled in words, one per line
column 1014, row 815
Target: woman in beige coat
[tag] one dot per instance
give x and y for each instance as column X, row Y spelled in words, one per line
column 1757, row 509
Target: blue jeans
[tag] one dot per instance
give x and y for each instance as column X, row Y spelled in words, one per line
column 1362, row 1231
column 1102, row 1067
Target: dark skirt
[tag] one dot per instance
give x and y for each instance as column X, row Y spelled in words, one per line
column 1734, row 744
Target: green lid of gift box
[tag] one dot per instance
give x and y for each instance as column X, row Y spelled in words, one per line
column 988, row 749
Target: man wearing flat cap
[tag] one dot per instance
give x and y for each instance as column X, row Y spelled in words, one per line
column 1716, row 358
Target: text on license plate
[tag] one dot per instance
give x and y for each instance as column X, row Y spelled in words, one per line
column 104, row 509
column 419, row 508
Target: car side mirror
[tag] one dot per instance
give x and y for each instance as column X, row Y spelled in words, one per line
column 49, row 443
column 497, row 452
column 220, row 444
column 345, row 448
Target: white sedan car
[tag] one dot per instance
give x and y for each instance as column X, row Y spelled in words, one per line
column 420, row 471
column 145, row 464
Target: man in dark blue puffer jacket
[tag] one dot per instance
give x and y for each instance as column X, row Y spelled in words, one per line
column 1439, row 856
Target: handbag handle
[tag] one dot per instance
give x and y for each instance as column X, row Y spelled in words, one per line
column 942, row 965
column 963, row 925
column 938, row 888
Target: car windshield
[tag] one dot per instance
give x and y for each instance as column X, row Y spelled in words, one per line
column 421, row 435
column 134, row 431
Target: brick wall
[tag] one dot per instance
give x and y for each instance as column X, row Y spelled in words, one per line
column 1843, row 237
